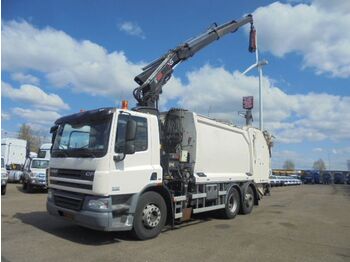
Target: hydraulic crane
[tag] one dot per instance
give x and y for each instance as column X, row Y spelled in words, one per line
column 157, row 73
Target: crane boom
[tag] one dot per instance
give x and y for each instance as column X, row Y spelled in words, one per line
column 157, row 73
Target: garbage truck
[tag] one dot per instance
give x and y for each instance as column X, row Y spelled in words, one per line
column 116, row 169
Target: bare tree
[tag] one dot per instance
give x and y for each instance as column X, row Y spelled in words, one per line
column 34, row 141
column 289, row 165
column 319, row 165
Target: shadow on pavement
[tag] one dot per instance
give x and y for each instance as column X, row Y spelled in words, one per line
column 34, row 190
column 343, row 190
column 71, row 232
column 66, row 230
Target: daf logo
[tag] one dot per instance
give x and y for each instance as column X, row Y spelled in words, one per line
column 89, row 173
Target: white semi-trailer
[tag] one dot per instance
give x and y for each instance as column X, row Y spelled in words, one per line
column 14, row 151
column 118, row 169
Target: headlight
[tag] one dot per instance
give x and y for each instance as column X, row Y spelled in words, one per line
column 98, row 204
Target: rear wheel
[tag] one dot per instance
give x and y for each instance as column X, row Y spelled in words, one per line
column 232, row 204
column 150, row 216
column 248, row 200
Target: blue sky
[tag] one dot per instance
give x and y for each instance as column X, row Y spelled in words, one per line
column 61, row 56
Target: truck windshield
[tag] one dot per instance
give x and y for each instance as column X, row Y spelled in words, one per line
column 40, row 164
column 2, row 163
column 82, row 139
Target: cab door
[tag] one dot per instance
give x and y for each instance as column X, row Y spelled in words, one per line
column 137, row 170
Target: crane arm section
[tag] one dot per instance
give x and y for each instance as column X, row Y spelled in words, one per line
column 157, row 73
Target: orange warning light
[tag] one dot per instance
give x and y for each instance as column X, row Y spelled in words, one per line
column 125, row 104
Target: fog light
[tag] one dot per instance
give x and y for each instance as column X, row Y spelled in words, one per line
column 49, row 194
column 98, row 204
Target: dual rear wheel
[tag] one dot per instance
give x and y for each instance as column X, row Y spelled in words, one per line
column 234, row 203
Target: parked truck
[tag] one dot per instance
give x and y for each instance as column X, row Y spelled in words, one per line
column 34, row 174
column 117, row 169
column 44, row 151
column 339, row 178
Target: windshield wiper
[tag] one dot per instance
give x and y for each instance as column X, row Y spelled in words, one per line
column 83, row 152
column 60, row 153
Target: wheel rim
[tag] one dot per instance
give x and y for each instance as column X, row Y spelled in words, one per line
column 232, row 203
column 248, row 199
column 151, row 216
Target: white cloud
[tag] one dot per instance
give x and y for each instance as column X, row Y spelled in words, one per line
column 292, row 118
column 82, row 65
column 5, row 116
column 87, row 67
column 36, row 116
column 25, row 78
column 33, row 95
column 318, row 31
column 132, row 28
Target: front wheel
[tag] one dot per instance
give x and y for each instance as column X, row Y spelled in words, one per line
column 150, row 216
column 232, row 204
column 3, row 190
column 24, row 185
column 29, row 188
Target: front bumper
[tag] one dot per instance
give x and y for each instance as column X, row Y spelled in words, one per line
column 102, row 221
column 37, row 183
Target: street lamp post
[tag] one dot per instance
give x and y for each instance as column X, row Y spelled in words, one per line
column 258, row 64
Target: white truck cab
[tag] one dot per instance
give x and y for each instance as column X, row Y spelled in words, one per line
column 34, row 174
column 44, row 151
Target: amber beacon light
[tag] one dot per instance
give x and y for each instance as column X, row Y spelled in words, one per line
column 125, row 104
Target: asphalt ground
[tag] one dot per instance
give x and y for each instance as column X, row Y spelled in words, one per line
column 297, row 223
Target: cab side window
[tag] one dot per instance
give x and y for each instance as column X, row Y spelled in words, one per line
column 141, row 140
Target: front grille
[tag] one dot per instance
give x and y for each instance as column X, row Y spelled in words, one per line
column 73, row 174
column 70, row 184
column 69, row 201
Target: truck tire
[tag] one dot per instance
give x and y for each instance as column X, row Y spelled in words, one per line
column 3, row 190
column 150, row 216
column 24, row 185
column 232, row 205
column 29, row 188
column 248, row 201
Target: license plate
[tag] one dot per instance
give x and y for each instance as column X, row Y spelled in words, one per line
column 68, row 216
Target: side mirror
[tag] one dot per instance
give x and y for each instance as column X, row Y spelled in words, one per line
column 129, row 148
column 53, row 131
column 130, row 136
column 130, row 133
